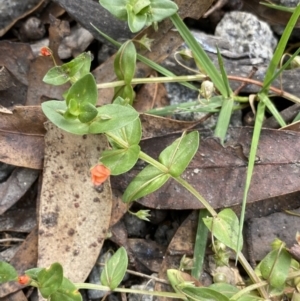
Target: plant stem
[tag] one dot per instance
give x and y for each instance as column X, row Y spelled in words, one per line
column 248, row 289
column 153, row 80
column 197, row 77
column 193, row 191
column 127, row 290
column 254, row 278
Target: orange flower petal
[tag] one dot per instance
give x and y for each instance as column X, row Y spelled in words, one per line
column 99, row 174
column 45, row 51
column 24, row 279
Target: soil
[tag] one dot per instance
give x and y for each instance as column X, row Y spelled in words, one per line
column 217, row 171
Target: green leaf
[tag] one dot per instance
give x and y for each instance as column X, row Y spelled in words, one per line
column 87, row 112
column 73, row 70
column 115, row 269
column 50, row 279
column 179, row 154
column 140, row 5
column 135, row 22
column 73, row 107
column 116, row 8
column 120, row 160
column 126, row 92
column 275, row 267
column 146, row 61
column 66, row 292
column 250, row 297
column 161, row 10
column 78, row 67
column 227, row 290
column 116, row 116
column 84, row 90
column 110, row 117
column 56, row 76
column 33, row 273
column 7, row 272
column 130, row 134
column 225, row 227
column 203, row 294
column 125, row 62
column 52, row 109
column 147, row 181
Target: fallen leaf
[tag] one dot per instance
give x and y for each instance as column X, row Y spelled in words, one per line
column 151, row 96
column 14, row 11
column 18, row 220
column 38, row 91
column 16, row 58
column 218, row 173
column 15, row 187
column 119, row 208
column 73, row 216
column 270, row 15
column 22, row 137
column 157, row 126
column 24, row 259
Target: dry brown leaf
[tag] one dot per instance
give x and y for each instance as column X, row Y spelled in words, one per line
column 157, row 126
column 18, row 220
column 38, row 91
column 17, row 296
column 151, row 96
column 73, row 216
column 22, row 137
column 24, row 259
column 15, row 187
column 119, row 208
column 16, row 58
column 218, row 172
column 16, row 11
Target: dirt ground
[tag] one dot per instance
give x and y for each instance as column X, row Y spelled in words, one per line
column 44, row 171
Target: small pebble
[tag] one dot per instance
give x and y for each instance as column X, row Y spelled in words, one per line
column 247, row 34
column 32, row 29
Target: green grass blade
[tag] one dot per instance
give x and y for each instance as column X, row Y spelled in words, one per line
column 280, row 49
column 146, row 61
column 200, row 244
column 282, row 68
column 251, row 161
column 279, row 7
column 224, row 119
column 199, row 54
column 273, row 110
column 223, row 73
column 227, row 105
column 262, row 95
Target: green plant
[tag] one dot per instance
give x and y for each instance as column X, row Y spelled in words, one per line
column 78, row 114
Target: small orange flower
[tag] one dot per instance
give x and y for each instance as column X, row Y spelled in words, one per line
column 24, row 279
column 45, row 51
column 99, row 174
